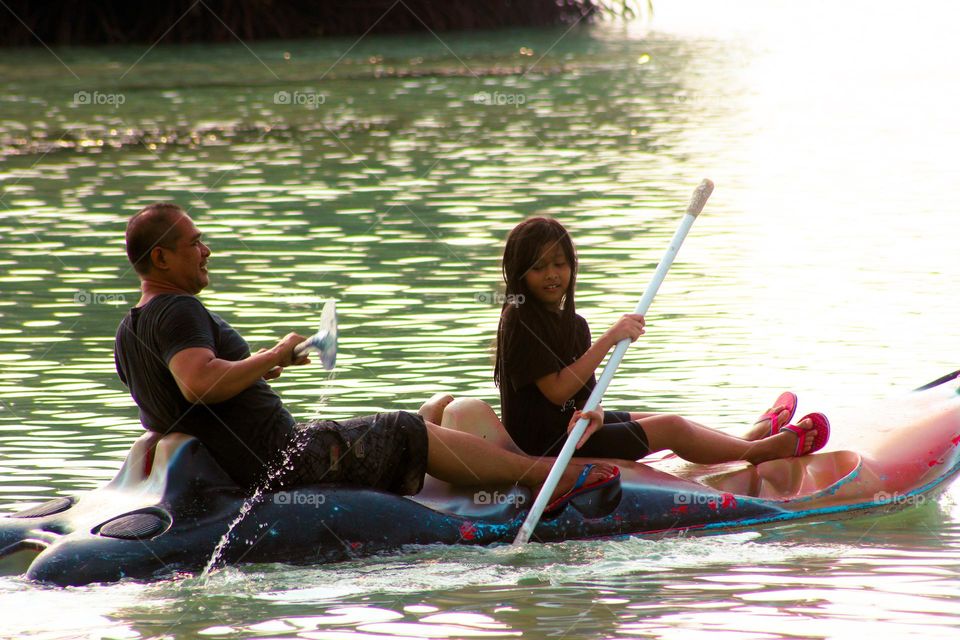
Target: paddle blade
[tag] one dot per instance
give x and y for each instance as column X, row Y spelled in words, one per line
column 700, row 196
column 324, row 341
column 328, row 327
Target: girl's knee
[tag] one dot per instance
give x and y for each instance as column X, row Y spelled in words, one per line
column 679, row 424
column 475, row 416
column 466, row 409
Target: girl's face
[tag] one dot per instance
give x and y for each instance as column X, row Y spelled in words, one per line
column 549, row 277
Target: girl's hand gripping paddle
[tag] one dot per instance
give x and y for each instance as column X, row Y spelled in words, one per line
column 700, row 196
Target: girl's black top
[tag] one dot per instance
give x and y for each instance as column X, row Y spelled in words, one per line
column 538, row 426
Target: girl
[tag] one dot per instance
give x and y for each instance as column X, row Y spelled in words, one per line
column 545, row 371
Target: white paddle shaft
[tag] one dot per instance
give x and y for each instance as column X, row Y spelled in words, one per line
column 699, row 199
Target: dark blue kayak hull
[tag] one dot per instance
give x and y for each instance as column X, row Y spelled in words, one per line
column 171, row 504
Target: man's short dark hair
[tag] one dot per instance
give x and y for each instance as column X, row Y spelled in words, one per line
column 152, row 226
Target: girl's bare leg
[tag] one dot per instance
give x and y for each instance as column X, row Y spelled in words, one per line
column 433, row 409
column 698, row 444
column 472, row 415
column 469, row 415
column 641, row 416
column 757, row 431
column 761, row 428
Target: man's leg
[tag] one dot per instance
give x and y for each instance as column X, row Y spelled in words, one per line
column 463, row 458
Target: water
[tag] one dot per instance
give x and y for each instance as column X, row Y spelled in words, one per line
column 822, row 264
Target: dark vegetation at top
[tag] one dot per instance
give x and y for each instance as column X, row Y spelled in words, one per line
column 86, row 22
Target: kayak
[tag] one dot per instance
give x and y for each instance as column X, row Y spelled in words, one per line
column 170, row 505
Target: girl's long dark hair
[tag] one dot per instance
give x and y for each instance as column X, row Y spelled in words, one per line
column 521, row 310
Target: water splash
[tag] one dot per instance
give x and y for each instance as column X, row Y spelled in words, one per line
column 300, row 439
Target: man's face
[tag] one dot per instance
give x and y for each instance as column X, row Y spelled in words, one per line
column 187, row 263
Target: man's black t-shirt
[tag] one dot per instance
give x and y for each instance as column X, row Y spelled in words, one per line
column 244, row 432
column 538, row 426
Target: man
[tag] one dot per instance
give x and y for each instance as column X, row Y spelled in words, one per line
column 189, row 371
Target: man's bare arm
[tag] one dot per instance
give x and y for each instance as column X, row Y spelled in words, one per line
column 204, row 378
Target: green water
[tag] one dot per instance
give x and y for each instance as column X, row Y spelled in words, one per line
column 386, row 173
